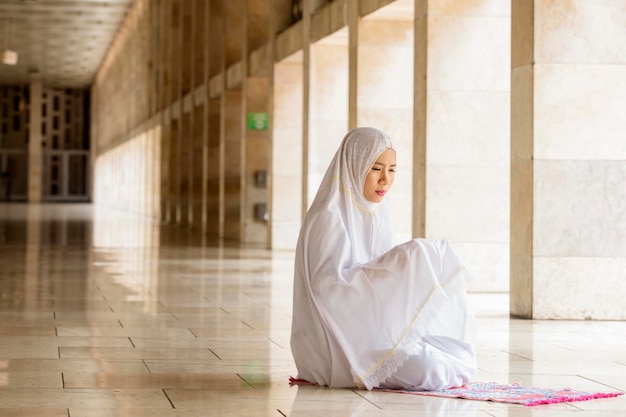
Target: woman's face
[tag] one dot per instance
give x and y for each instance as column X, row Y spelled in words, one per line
column 380, row 176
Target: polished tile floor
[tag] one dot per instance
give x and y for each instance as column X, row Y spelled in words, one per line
column 104, row 314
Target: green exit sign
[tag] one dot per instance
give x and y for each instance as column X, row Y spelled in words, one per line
column 258, row 121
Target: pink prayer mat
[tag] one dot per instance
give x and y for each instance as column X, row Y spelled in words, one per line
column 502, row 393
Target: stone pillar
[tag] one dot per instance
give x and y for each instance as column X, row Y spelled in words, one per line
column 199, row 107
column 177, row 137
column 258, row 134
column 154, row 79
column 214, row 119
column 568, row 160
column 286, row 213
column 166, row 79
column 305, row 25
column 233, row 139
column 35, row 154
column 214, row 157
column 233, row 170
column 328, row 101
column 257, row 161
column 186, row 163
column 384, row 83
column 154, row 173
column 461, row 155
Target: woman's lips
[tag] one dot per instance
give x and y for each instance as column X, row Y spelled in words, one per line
column 381, row 192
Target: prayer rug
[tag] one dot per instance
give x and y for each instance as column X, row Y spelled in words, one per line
column 514, row 393
column 503, row 393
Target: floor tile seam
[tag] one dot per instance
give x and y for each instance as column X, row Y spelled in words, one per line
column 599, row 382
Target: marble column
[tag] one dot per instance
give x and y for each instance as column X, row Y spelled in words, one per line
column 35, row 154
column 177, row 137
column 186, row 158
column 461, row 149
column 328, row 105
column 233, row 138
column 234, row 148
column 258, row 133
column 257, row 160
column 384, row 96
column 286, row 213
column 215, row 103
column 568, row 159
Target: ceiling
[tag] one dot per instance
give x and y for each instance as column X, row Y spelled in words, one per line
column 61, row 41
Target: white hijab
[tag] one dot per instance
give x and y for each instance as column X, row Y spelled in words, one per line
column 367, row 226
column 359, row 302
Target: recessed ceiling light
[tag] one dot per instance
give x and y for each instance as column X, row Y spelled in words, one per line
column 9, row 57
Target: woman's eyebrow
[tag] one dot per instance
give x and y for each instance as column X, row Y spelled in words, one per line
column 380, row 163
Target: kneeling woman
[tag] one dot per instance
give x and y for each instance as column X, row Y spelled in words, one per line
column 367, row 312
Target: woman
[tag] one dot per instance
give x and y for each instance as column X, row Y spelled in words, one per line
column 367, row 313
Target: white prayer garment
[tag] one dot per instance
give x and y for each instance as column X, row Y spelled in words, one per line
column 367, row 313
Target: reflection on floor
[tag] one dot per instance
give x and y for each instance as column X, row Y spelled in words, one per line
column 103, row 314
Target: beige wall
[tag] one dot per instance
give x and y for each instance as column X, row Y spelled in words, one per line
column 133, row 190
